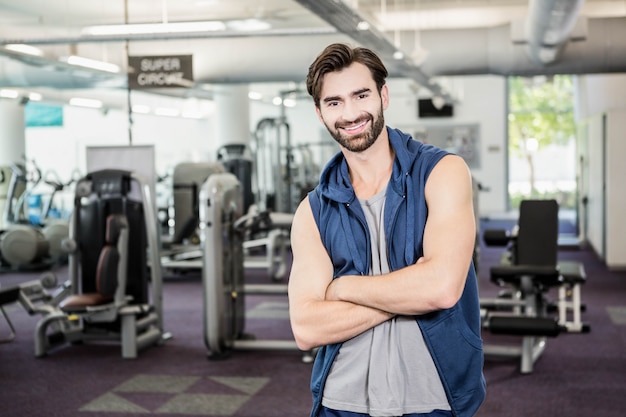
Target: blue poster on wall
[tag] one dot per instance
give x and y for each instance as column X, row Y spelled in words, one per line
column 39, row 115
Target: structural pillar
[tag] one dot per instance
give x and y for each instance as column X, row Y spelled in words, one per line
column 12, row 131
column 12, row 145
column 232, row 135
column 232, row 115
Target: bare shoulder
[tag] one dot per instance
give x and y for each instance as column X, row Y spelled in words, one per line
column 451, row 168
column 311, row 268
column 450, row 179
column 452, row 165
column 303, row 225
column 303, row 213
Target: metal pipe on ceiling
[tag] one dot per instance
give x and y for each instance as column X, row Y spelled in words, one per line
column 490, row 51
column 172, row 36
column 346, row 20
column 548, row 27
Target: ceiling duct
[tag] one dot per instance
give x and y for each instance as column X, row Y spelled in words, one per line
column 18, row 70
column 348, row 21
column 226, row 34
column 490, row 51
column 503, row 50
column 548, row 28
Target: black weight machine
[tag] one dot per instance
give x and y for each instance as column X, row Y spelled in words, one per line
column 115, row 280
column 528, row 271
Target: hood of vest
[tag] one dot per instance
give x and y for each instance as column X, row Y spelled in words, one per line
column 336, row 186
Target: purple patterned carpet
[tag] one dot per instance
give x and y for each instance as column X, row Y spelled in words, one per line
column 578, row 375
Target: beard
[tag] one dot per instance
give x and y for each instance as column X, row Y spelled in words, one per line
column 364, row 140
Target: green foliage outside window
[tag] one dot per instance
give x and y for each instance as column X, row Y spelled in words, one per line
column 541, row 113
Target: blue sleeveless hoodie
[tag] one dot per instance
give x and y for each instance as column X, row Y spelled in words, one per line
column 452, row 335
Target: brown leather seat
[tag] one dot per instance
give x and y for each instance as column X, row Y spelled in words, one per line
column 106, row 271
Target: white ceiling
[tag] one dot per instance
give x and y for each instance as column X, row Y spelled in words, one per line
column 438, row 38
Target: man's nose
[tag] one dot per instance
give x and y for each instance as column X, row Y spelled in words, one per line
column 351, row 111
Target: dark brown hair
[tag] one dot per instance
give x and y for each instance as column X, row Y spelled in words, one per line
column 338, row 56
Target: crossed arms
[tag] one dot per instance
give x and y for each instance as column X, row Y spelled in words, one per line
column 325, row 311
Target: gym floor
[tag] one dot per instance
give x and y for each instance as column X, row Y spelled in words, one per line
column 578, row 375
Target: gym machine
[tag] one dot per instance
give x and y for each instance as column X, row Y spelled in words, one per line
column 180, row 248
column 39, row 296
column 266, row 241
column 221, row 237
column 236, row 159
column 272, row 166
column 267, row 232
column 5, row 176
column 528, row 271
column 29, row 242
column 275, row 198
column 114, row 271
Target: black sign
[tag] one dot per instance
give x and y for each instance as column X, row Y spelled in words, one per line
column 159, row 71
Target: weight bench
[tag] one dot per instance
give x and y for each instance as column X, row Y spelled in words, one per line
column 569, row 303
column 529, row 270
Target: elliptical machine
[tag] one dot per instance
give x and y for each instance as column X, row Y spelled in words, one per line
column 31, row 242
column 21, row 244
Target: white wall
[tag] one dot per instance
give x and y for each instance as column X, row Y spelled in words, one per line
column 599, row 93
column 594, row 183
column 482, row 101
column 615, row 190
column 63, row 148
column 602, row 118
column 11, row 131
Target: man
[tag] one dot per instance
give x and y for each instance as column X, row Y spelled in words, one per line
column 382, row 279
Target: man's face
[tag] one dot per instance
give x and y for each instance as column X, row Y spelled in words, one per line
column 351, row 108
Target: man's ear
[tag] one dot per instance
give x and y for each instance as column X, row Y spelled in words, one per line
column 384, row 96
column 319, row 114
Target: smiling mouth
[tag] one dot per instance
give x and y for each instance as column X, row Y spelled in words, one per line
column 351, row 128
column 355, row 127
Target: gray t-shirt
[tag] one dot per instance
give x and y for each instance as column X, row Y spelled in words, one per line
column 387, row 370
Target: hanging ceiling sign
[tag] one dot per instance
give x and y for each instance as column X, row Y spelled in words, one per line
column 160, row 71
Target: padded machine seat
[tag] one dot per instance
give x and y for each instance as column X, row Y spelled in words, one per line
column 572, row 272
column 529, row 270
column 544, row 276
column 111, row 267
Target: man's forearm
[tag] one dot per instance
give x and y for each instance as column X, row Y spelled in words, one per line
column 401, row 292
column 327, row 322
